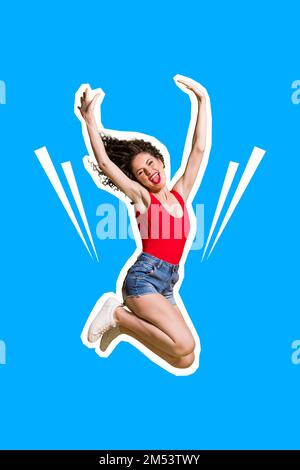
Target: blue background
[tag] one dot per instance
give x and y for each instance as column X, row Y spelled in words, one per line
column 243, row 301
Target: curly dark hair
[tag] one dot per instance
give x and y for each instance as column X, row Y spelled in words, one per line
column 122, row 152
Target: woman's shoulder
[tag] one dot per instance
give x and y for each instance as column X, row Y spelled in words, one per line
column 140, row 208
column 178, row 188
column 141, row 200
column 178, row 196
column 143, row 203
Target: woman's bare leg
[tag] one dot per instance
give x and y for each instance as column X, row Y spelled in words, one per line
column 179, row 362
column 156, row 322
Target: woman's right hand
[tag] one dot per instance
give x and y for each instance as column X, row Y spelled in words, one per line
column 87, row 108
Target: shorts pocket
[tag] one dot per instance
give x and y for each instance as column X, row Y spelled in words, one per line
column 142, row 268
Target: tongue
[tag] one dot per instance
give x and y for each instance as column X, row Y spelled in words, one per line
column 156, row 179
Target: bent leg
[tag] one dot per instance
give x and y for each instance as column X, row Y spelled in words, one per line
column 158, row 322
column 179, row 362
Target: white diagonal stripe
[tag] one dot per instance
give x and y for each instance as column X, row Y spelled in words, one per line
column 68, row 170
column 46, row 162
column 231, row 171
column 253, row 162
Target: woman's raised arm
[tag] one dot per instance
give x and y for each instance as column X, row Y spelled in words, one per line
column 187, row 180
column 135, row 191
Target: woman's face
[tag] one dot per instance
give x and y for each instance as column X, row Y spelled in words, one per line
column 149, row 171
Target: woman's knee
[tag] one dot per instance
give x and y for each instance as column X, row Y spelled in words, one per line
column 184, row 346
column 184, row 361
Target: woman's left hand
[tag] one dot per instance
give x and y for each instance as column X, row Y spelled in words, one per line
column 196, row 90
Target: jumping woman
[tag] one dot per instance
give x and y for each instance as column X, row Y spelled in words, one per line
column 136, row 167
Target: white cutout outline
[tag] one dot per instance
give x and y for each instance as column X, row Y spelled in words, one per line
column 188, row 145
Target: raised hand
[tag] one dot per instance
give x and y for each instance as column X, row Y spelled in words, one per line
column 196, row 90
column 87, row 108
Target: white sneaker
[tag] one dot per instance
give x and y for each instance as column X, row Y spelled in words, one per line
column 104, row 320
column 108, row 337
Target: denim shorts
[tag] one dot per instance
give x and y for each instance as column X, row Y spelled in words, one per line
column 150, row 275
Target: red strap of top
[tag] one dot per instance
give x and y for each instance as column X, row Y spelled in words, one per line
column 180, row 198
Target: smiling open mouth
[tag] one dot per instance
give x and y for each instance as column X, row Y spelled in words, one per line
column 155, row 178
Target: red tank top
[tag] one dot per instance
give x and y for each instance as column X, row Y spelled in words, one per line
column 164, row 235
